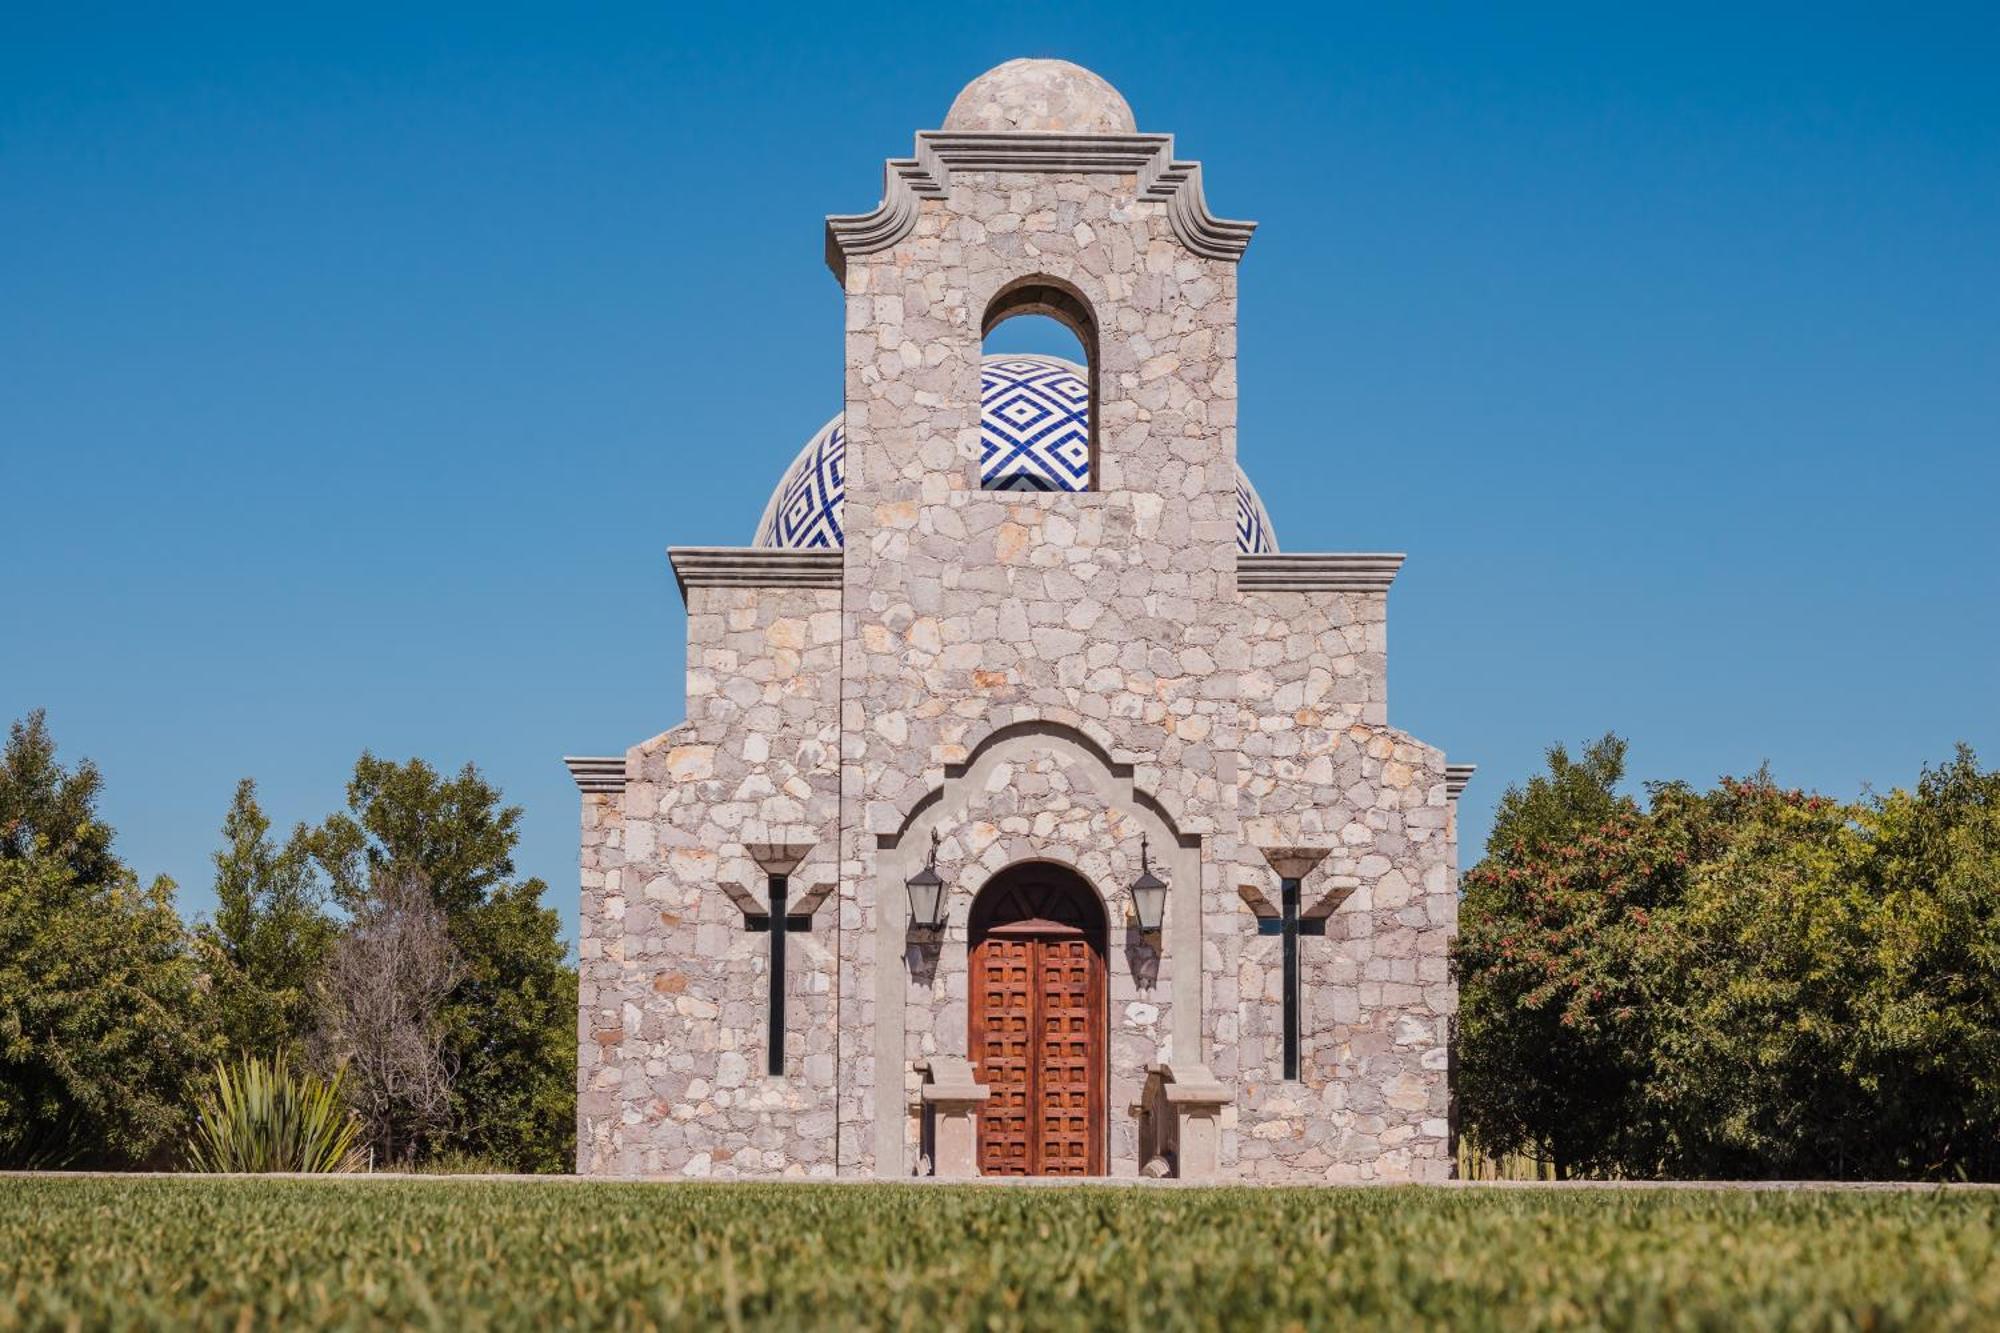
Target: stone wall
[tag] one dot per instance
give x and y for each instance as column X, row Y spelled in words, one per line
column 676, row 988
column 600, row 982
column 1320, row 768
column 1316, row 660
column 1371, row 1100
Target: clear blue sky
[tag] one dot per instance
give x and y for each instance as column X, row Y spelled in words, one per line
column 357, row 364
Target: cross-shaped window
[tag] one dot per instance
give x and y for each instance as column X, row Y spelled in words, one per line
column 780, row 925
column 1291, row 925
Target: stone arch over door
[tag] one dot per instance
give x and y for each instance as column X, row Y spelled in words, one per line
column 920, row 983
column 1038, row 1032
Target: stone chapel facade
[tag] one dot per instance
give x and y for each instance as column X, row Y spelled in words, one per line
column 1015, row 638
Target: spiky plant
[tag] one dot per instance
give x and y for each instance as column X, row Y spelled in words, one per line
column 261, row 1116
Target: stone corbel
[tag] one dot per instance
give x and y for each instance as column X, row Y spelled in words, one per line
column 1181, row 1122
column 1294, row 862
column 950, row 1097
column 1339, row 888
column 1255, row 899
column 776, row 859
column 746, row 902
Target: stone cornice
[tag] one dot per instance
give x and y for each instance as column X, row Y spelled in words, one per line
column 927, row 175
column 1305, row 571
column 753, row 567
column 596, row 773
column 1455, row 778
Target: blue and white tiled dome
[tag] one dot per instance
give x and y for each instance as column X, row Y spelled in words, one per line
column 1034, row 435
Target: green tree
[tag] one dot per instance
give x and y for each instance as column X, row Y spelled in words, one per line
column 269, row 934
column 1761, row 987
column 511, row 1020
column 513, row 1024
column 101, row 1014
column 1553, row 1002
column 48, row 810
column 1742, row 982
column 1931, row 1028
column 1840, row 970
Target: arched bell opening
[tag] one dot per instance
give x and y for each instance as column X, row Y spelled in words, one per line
column 1039, row 1033
column 1038, row 389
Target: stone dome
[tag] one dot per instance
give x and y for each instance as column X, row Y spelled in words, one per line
column 1034, row 435
column 1048, row 96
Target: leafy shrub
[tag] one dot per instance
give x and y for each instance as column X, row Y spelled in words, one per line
column 452, row 1162
column 262, row 1117
column 1749, row 981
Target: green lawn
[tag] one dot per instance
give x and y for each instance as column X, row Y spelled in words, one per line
column 469, row 1254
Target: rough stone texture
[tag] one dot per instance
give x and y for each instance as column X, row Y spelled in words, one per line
column 672, row 1064
column 1029, row 676
column 1040, row 95
column 600, row 982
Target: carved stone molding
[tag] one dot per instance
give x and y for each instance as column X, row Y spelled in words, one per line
column 1455, row 778
column 594, row 773
column 927, row 175
column 753, row 567
column 1306, row 571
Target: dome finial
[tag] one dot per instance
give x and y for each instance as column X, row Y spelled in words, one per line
column 1040, row 96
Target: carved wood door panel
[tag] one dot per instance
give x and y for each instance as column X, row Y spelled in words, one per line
column 1067, row 1072
column 1003, row 1050
column 1038, row 1030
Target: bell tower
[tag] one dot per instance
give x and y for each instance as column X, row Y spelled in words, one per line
column 969, row 608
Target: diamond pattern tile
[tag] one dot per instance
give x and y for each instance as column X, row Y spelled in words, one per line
column 1034, row 435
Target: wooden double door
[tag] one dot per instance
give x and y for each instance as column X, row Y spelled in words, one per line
column 1038, row 1023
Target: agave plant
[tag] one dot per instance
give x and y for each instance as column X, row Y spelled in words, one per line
column 263, row 1117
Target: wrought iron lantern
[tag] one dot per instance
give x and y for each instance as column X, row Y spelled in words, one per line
column 1149, row 894
column 927, row 894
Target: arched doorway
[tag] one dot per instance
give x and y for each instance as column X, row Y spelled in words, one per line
column 1038, row 1031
